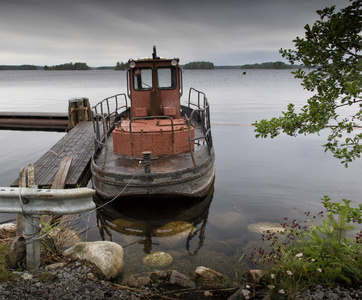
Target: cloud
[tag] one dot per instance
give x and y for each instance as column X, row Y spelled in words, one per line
column 104, row 32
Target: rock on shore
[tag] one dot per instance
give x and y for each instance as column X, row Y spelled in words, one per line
column 68, row 281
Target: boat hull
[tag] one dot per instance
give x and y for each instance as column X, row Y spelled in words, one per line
column 191, row 181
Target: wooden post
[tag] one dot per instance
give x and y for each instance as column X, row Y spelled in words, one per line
column 20, row 218
column 32, row 229
column 78, row 111
column 88, row 110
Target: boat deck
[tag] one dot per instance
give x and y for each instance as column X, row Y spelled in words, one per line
column 117, row 163
column 77, row 144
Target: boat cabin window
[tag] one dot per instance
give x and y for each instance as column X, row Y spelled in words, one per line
column 142, row 78
column 166, row 78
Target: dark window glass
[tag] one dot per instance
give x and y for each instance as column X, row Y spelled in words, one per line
column 142, row 79
column 166, row 78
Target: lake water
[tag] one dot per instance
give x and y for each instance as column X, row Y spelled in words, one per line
column 257, row 180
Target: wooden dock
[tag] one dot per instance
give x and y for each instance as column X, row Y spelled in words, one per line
column 34, row 121
column 77, row 147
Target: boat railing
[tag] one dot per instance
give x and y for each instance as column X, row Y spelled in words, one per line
column 105, row 114
column 201, row 112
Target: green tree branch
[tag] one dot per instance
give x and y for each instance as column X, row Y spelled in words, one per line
column 331, row 50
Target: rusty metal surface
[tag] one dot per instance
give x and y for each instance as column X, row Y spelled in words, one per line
column 171, row 174
column 160, row 136
column 150, row 98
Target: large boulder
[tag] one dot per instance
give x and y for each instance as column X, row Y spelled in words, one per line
column 108, row 257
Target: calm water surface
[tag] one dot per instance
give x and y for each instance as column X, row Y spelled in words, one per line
column 257, row 180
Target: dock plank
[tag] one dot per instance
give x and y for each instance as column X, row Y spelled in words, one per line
column 78, row 144
column 61, row 176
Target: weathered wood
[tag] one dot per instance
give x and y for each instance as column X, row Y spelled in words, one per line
column 32, row 229
column 78, row 143
column 20, row 217
column 79, row 110
column 31, row 176
column 61, row 175
column 34, row 121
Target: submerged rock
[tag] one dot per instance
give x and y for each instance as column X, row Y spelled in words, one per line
column 108, row 257
column 265, row 226
column 172, row 234
column 158, row 259
column 174, row 228
column 230, row 220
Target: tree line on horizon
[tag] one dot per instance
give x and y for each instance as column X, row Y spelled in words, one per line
column 121, row 66
column 278, row 65
column 78, row 66
column 21, row 67
column 204, row 65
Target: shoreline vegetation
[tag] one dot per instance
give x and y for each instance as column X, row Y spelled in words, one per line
column 121, row 66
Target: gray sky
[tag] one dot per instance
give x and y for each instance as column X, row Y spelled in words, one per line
column 102, row 32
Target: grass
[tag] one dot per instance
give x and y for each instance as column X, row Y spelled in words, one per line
column 317, row 251
column 5, row 236
column 55, row 235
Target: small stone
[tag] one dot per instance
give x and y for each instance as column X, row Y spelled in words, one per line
column 55, row 266
column 158, row 275
column 254, row 276
column 138, row 282
column 344, row 295
column 207, row 276
column 182, row 280
column 27, row 276
column 132, row 281
column 144, row 281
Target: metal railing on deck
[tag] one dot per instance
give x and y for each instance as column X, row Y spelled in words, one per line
column 105, row 114
column 202, row 111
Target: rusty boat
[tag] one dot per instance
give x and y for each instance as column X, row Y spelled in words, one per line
column 146, row 142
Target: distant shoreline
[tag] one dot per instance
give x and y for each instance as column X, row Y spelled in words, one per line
column 260, row 66
column 112, row 69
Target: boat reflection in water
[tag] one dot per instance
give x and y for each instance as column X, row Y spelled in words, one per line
column 155, row 222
